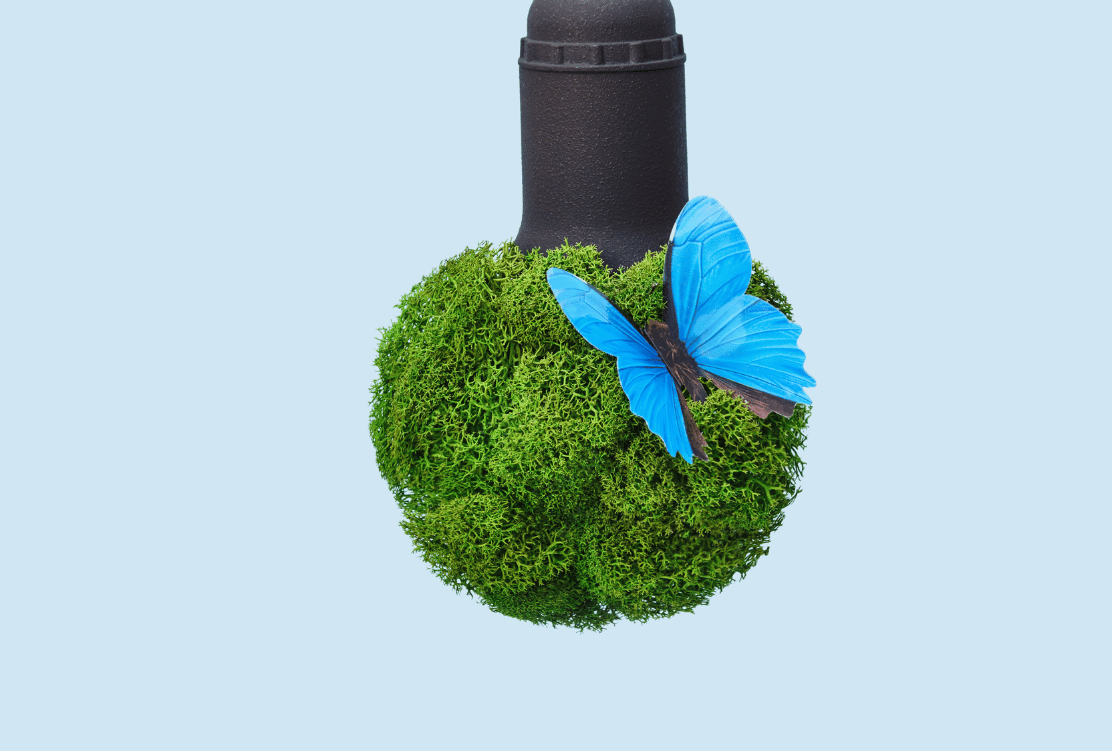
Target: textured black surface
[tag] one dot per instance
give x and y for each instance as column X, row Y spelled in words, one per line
column 603, row 152
column 600, row 20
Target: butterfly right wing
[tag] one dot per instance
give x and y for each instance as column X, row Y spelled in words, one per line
column 653, row 394
column 741, row 342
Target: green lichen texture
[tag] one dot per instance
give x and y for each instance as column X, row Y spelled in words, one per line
column 521, row 473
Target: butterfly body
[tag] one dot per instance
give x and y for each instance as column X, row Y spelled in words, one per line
column 685, row 372
column 681, row 365
column 711, row 330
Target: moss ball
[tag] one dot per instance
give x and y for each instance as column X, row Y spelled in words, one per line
column 521, row 473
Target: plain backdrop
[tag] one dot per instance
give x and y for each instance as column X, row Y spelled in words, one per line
column 207, row 211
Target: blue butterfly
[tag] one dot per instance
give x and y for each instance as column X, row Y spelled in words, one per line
column 711, row 328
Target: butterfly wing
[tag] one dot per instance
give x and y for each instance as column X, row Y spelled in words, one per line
column 729, row 334
column 653, row 394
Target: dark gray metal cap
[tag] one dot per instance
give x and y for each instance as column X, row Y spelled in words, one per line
column 603, row 157
column 601, row 36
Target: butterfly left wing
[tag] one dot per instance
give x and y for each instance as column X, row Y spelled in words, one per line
column 740, row 342
column 653, row 394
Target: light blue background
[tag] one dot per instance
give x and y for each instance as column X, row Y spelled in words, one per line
column 207, row 209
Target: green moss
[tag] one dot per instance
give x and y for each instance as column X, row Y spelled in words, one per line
column 520, row 471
